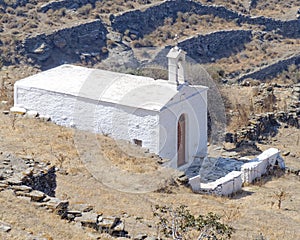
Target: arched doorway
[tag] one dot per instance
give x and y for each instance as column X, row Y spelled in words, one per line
column 181, row 141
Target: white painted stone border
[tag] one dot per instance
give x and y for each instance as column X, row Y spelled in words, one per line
column 234, row 180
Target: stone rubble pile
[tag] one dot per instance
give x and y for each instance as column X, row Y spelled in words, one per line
column 27, row 171
column 36, row 181
column 262, row 126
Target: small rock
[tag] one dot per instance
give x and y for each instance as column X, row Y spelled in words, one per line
column 18, row 110
column 286, row 153
column 183, row 180
column 140, row 236
column 41, row 48
column 3, row 185
column 88, row 219
column 108, row 222
column 26, row 157
column 56, row 204
column 75, row 213
column 22, row 188
column 4, row 227
column 151, row 238
column 45, row 118
column 31, row 114
column 14, row 181
column 119, row 227
column 82, row 207
column 70, row 217
column 36, row 196
column 5, row 112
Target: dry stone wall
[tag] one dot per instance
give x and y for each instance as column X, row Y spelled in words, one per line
column 69, row 4
column 143, row 22
column 36, row 181
column 14, row 4
column 27, row 171
column 272, row 70
column 68, row 45
column 209, row 47
column 261, row 126
column 295, row 97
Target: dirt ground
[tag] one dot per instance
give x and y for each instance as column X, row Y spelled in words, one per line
column 252, row 212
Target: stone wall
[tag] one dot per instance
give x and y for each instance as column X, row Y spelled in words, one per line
column 69, row 4
column 36, row 181
column 295, row 97
column 68, row 45
column 146, row 21
column 27, row 171
column 209, row 47
column 261, row 126
column 272, row 70
column 44, row 181
column 213, row 46
column 14, row 4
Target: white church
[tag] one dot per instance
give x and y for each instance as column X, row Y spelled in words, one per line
column 168, row 117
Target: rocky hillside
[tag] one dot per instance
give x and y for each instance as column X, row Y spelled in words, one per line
column 237, row 42
column 239, row 38
column 251, row 50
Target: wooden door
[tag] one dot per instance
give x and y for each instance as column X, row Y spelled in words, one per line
column 181, row 141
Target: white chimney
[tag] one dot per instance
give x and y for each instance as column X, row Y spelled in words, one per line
column 176, row 66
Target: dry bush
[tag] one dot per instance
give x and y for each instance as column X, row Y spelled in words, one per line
column 271, row 8
column 85, row 10
column 280, row 196
column 290, row 76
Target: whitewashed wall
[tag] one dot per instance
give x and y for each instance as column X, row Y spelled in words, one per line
column 117, row 121
column 260, row 165
column 192, row 103
column 234, row 180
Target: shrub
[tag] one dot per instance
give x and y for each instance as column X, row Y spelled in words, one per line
column 85, row 10
column 179, row 223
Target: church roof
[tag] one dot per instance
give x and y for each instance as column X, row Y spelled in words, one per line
column 102, row 85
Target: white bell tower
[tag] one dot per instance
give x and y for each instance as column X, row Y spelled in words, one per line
column 176, row 66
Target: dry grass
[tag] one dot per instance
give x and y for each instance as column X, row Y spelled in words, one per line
column 186, row 25
column 48, row 142
column 241, row 103
column 258, row 54
column 235, row 5
column 28, row 221
column 279, row 9
column 41, row 140
column 119, row 154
